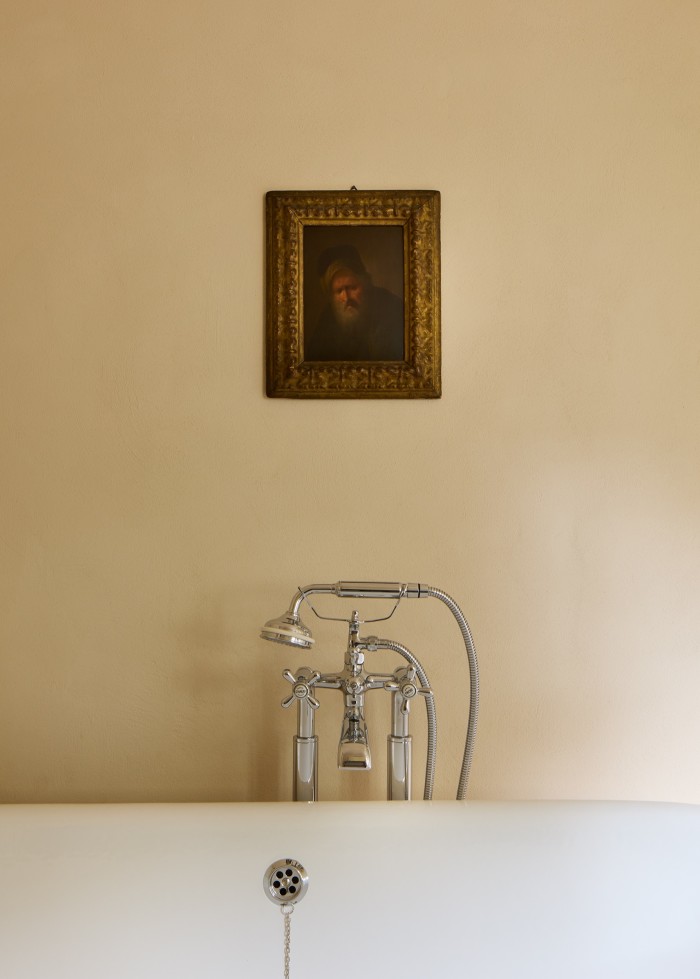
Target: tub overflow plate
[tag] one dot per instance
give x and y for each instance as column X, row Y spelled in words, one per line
column 285, row 881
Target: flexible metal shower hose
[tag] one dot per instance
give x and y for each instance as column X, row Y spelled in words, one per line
column 473, row 683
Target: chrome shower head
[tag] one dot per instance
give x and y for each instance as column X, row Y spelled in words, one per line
column 289, row 630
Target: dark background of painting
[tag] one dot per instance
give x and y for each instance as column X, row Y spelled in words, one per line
column 380, row 248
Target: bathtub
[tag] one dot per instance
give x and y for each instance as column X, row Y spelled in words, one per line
column 442, row 889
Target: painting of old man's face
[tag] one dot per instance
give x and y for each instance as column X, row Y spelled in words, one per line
column 353, row 293
column 348, row 296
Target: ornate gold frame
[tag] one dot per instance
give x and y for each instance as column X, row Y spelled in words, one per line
column 288, row 375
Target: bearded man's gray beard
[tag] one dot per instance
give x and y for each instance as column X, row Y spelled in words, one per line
column 350, row 316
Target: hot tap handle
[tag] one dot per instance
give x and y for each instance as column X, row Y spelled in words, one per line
column 302, row 685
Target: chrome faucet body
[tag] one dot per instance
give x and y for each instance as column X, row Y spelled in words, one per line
column 354, row 682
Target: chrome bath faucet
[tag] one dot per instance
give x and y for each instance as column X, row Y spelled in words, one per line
column 353, row 681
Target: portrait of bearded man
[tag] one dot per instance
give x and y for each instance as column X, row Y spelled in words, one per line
column 360, row 321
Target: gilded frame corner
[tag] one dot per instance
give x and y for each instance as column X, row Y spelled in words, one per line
column 400, row 231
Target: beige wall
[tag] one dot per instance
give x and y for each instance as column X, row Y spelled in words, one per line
column 156, row 507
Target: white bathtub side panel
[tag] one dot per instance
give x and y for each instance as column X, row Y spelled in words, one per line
column 444, row 889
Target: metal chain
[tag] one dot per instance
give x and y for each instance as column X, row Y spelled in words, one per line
column 286, row 914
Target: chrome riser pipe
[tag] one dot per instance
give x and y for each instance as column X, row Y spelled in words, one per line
column 305, row 774
column 398, row 768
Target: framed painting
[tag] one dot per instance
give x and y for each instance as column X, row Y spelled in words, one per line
column 353, row 294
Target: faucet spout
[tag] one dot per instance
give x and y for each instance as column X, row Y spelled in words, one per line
column 353, row 750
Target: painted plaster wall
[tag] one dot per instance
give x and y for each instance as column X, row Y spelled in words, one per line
column 157, row 508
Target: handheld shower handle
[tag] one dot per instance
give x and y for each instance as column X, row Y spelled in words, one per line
column 377, row 589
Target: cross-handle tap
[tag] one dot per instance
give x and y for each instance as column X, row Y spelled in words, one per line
column 302, row 684
column 305, row 772
column 404, row 684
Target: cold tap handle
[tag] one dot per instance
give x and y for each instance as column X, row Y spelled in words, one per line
column 406, row 686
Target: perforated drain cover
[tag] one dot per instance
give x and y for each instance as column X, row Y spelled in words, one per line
column 285, row 881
